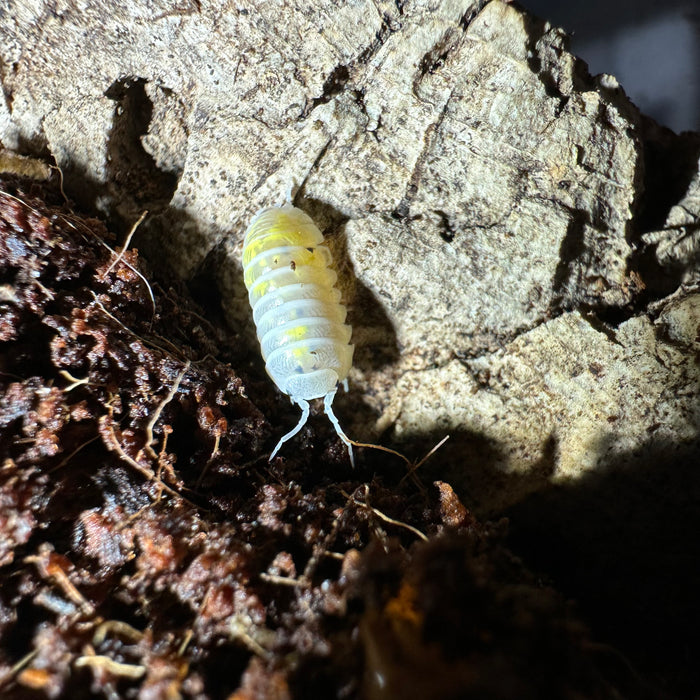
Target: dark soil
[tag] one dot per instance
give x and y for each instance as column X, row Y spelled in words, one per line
column 149, row 550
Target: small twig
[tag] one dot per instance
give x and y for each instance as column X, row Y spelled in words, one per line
column 414, row 468
column 111, row 250
column 214, row 452
column 126, row 328
column 334, row 555
column 185, row 642
column 49, row 294
column 432, row 451
column 387, row 519
column 116, row 446
column 145, row 471
column 55, row 572
column 12, row 672
column 70, row 223
column 60, row 183
column 159, row 409
column 284, row 580
column 21, row 201
column 119, row 628
column 322, row 548
column 381, row 448
column 239, row 630
column 162, row 462
column 132, row 231
column 383, row 516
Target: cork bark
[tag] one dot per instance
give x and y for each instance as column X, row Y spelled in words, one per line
column 517, row 244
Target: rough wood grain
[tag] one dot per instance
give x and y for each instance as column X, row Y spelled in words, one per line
column 518, row 245
column 484, row 193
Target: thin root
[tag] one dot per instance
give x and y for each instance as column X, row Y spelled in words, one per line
column 156, row 414
column 104, row 663
column 24, row 661
column 111, row 250
column 75, row 382
column 240, row 630
column 117, row 628
column 214, row 453
column 381, row 448
column 185, row 642
column 129, row 236
column 412, row 468
column 321, row 549
column 175, row 350
column 52, row 569
column 60, row 183
column 284, row 580
column 383, row 516
column 65, row 461
column 145, row 471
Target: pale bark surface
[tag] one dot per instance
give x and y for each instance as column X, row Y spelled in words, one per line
column 517, row 245
column 481, row 192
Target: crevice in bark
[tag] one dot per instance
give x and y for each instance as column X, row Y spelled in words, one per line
column 670, row 162
column 133, row 172
column 7, row 91
column 436, row 58
column 404, row 206
column 334, row 85
column 470, row 15
column 571, row 251
column 448, row 228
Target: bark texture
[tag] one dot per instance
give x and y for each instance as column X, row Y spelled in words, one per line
column 517, row 244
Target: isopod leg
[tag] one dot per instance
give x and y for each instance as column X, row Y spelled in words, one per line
column 327, row 401
column 345, row 386
column 304, row 417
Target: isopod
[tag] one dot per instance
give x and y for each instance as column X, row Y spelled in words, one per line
column 300, row 321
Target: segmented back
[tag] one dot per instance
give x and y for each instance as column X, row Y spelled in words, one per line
column 296, row 308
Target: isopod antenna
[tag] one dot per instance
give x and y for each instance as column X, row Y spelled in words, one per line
column 327, row 405
column 304, row 405
column 327, row 401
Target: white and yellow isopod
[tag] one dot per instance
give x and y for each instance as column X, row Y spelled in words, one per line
column 297, row 311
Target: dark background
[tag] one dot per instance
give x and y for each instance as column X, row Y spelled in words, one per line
column 652, row 47
column 622, row 543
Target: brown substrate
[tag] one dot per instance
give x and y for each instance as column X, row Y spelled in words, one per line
column 148, row 549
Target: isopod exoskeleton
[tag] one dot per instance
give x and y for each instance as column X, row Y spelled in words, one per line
column 297, row 311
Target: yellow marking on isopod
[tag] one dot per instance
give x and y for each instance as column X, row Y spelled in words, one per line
column 299, row 267
column 305, row 360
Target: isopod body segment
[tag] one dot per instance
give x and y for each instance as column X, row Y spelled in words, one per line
column 300, row 321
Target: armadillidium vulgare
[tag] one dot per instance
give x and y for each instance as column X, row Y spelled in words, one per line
column 297, row 311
